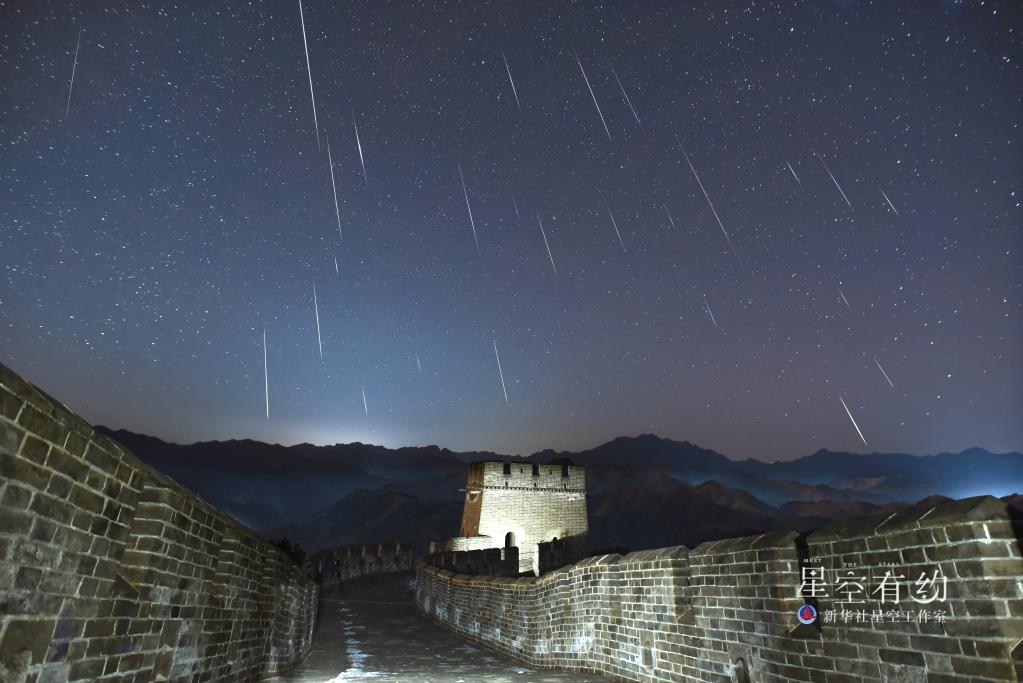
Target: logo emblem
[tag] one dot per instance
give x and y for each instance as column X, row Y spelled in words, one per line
column 807, row 614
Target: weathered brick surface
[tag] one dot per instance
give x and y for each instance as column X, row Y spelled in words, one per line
column 522, row 505
column 111, row 571
column 725, row 610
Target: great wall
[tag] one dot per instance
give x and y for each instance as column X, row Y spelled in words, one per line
column 726, row 610
column 112, row 571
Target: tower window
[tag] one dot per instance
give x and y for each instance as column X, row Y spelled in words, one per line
column 536, row 470
column 507, row 469
column 564, row 470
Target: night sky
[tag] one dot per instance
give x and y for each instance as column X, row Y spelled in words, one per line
column 152, row 225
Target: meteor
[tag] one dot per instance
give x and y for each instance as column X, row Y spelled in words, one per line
column 834, row 181
column 634, row 114
column 615, row 224
column 333, row 185
column 500, row 372
column 546, row 244
column 843, row 297
column 599, row 113
column 74, row 67
column 419, row 365
column 710, row 313
column 888, row 200
column 309, row 70
column 471, row 221
column 359, row 144
column 852, row 419
column 512, row 81
column 887, row 378
column 316, row 307
column 709, row 203
column 665, row 206
column 793, row 173
column 365, row 406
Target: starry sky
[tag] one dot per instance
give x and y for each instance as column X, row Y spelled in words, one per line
column 172, row 201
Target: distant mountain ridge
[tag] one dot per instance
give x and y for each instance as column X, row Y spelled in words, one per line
column 644, row 491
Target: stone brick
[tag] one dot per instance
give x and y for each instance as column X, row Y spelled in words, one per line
column 16, row 468
column 32, row 635
column 34, row 449
column 69, row 509
column 706, row 605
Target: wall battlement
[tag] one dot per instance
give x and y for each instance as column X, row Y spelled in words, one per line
column 112, row 571
column 548, row 476
column 726, row 610
column 345, row 562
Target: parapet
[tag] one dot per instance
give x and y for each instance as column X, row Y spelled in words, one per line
column 562, row 476
column 728, row 609
column 83, row 516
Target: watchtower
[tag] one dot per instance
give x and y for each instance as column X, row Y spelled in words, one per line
column 523, row 504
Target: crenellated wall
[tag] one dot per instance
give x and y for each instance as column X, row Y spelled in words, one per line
column 345, row 562
column 111, row 571
column 726, row 610
column 485, row 562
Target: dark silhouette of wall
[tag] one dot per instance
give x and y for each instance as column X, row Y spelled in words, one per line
column 111, row 571
column 342, row 563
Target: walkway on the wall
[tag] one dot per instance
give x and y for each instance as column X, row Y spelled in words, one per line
column 370, row 630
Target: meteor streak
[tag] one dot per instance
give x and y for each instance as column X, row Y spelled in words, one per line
column 709, row 203
column 333, row 186
column 419, row 365
column 500, row 372
column 512, row 81
column 615, row 224
column 793, row 173
column 599, row 113
column 710, row 313
column 887, row 378
column 316, row 307
column 843, row 297
column 834, row 181
column 266, row 377
column 359, row 144
column 336, row 269
column 852, row 419
column 888, row 200
column 309, row 70
column 471, row 221
column 546, row 244
column 516, row 205
column 365, row 406
column 634, row 114
column 669, row 216
column 74, row 67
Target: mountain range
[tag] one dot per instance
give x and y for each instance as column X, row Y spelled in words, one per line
column 643, row 491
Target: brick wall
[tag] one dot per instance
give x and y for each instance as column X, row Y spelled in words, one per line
column 532, row 502
column 726, row 610
column 342, row 563
column 111, row 571
column 482, row 562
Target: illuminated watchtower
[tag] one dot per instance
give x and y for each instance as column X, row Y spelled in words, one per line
column 521, row 505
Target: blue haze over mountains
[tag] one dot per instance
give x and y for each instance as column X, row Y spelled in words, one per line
column 644, row 491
